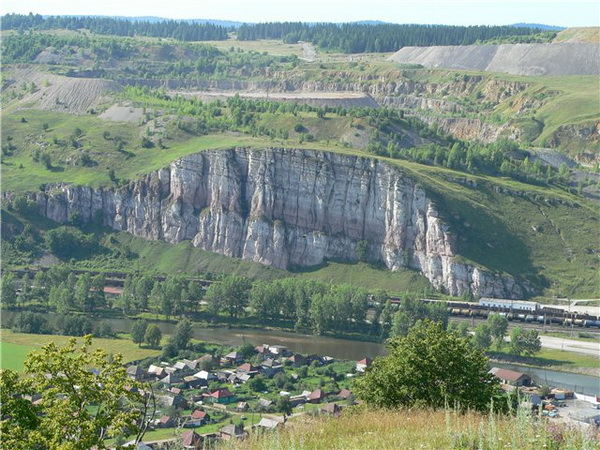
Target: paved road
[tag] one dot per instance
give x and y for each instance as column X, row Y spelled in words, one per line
column 571, row 345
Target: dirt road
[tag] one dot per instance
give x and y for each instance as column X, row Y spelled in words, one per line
column 310, row 54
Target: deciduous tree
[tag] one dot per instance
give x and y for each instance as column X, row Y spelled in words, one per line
column 79, row 407
column 429, row 367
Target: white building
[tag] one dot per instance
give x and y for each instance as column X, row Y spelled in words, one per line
column 514, row 305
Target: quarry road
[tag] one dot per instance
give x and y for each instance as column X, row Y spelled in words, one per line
column 310, row 54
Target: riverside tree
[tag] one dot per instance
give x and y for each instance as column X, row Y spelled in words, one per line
column 429, row 367
column 498, row 327
column 152, row 336
column 138, row 331
column 524, row 342
column 8, row 295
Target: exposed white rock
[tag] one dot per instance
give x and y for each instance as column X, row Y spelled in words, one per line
column 286, row 208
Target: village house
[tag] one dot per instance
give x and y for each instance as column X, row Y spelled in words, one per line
column 510, row 377
column 221, row 396
column 246, row 368
column 198, row 418
column 242, row 406
column 232, row 358
column 206, row 376
column 135, row 372
column 316, row 396
column 297, row 360
column 362, row 365
column 278, row 350
column 344, row 394
column 192, row 440
column 269, row 424
column 177, row 401
column 264, row 404
column 170, row 380
column 191, row 365
column 191, row 382
column 165, row 422
column 232, row 432
column 332, row 409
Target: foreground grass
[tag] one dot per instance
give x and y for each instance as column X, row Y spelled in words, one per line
column 423, row 429
column 14, row 347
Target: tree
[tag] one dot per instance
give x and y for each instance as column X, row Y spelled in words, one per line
column 104, row 330
column 97, row 293
column 257, row 384
column 83, row 297
column 156, row 298
column 230, row 294
column 9, row 293
column 498, row 327
column 524, row 342
column 284, row 405
column 429, row 367
column 183, row 333
column 482, row 339
column 79, row 408
column 153, row 336
column 138, row 331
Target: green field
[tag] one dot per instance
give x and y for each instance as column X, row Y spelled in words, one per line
column 14, row 347
column 270, row 46
column 553, row 359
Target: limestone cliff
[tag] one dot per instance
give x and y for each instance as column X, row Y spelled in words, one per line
column 286, row 208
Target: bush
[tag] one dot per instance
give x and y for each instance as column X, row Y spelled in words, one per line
column 30, row 322
column 68, row 242
column 104, row 330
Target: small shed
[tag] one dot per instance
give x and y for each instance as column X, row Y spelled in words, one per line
column 511, row 377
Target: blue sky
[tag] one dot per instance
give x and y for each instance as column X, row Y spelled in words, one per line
column 457, row 12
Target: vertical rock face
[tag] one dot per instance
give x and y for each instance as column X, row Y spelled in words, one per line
column 286, row 208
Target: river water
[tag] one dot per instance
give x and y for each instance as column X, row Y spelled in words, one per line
column 341, row 349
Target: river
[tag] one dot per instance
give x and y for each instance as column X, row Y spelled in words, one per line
column 341, row 349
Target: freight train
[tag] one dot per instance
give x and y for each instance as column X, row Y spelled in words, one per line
column 528, row 312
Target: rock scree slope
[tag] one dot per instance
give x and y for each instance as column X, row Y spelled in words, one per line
column 286, row 208
column 517, row 59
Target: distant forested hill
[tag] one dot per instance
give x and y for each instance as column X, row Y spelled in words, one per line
column 360, row 38
column 180, row 30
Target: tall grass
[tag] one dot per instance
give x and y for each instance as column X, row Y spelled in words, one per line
column 360, row 428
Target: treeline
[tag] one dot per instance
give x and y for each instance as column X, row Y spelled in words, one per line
column 60, row 290
column 319, row 308
column 179, row 30
column 244, row 115
column 500, row 158
column 307, row 305
column 360, row 38
column 66, row 325
column 26, row 47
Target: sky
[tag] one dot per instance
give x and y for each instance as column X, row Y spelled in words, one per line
column 450, row 12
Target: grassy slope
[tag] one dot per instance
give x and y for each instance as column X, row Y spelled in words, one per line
column 15, row 346
column 416, row 428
